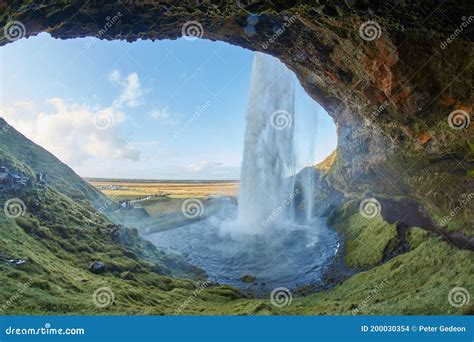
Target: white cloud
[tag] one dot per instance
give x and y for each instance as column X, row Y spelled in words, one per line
column 147, row 143
column 78, row 132
column 163, row 115
column 115, row 76
column 68, row 131
column 160, row 114
column 132, row 91
column 26, row 105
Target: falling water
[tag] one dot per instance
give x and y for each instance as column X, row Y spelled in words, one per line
column 307, row 130
column 307, row 186
column 268, row 159
column 227, row 246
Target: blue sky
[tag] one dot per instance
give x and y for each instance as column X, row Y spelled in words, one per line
column 160, row 110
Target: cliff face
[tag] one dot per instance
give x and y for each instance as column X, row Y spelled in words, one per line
column 396, row 77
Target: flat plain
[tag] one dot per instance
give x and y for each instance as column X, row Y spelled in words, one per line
column 136, row 189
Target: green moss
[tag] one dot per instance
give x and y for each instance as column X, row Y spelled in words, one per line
column 459, row 222
column 415, row 283
column 368, row 239
column 416, row 236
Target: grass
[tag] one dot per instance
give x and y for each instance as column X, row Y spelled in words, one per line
column 362, row 235
column 59, row 282
column 62, row 233
column 415, row 283
column 133, row 190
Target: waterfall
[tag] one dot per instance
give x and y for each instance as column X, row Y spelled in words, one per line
column 266, row 188
column 306, row 128
column 307, row 187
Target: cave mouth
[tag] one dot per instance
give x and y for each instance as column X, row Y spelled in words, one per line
column 290, row 254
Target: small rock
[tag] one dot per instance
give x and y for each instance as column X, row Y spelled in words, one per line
column 16, row 262
column 248, row 278
column 127, row 276
column 97, row 267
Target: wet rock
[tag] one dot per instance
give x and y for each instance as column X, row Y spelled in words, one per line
column 248, row 278
column 16, row 262
column 97, row 267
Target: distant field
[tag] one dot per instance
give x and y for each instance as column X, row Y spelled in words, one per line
column 130, row 189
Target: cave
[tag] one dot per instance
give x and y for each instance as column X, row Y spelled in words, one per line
column 396, row 79
column 390, row 87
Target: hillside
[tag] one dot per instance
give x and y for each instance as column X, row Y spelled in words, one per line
column 326, row 164
column 20, row 154
column 51, row 234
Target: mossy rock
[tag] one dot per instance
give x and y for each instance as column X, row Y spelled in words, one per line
column 368, row 240
column 248, row 278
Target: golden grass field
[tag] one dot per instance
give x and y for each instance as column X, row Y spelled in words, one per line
column 138, row 189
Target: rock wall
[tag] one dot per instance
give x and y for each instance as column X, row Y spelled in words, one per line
column 395, row 76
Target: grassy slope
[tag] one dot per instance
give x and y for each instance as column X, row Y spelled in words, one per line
column 417, row 282
column 59, row 248
column 59, row 281
column 61, row 234
column 21, row 154
column 413, row 283
column 363, row 235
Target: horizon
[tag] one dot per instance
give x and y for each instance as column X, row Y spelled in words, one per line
column 149, row 180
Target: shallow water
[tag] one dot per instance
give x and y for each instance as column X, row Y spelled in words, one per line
column 287, row 255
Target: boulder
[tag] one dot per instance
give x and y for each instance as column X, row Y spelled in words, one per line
column 97, row 267
column 248, row 278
